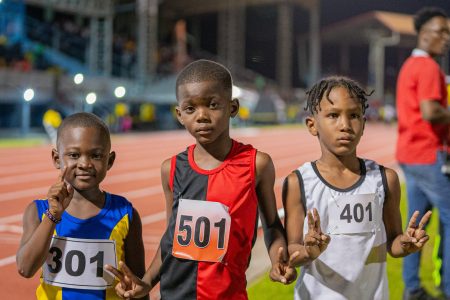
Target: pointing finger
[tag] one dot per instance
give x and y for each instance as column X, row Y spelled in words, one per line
column 413, row 220
column 317, row 220
column 116, row 272
column 310, row 221
column 281, row 255
column 63, row 174
column 424, row 220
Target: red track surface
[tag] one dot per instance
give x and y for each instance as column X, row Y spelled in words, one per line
column 27, row 173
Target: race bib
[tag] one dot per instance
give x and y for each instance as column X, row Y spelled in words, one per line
column 78, row 263
column 353, row 214
column 202, row 230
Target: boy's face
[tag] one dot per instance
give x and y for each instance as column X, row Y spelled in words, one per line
column 205, row 108
column 85, row 152
column 339, row 126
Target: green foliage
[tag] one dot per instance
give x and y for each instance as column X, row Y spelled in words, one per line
column 265, row 289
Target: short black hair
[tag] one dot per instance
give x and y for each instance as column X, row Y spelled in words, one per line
column 425, row 14
column 324, row 87
column 84, row 119
column 205, row 70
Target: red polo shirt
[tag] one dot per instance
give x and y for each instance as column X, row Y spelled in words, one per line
column 420, row 79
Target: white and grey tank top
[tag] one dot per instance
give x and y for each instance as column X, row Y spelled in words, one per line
column 354, row 264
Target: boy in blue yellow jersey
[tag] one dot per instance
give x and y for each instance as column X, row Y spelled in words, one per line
column 79, row 227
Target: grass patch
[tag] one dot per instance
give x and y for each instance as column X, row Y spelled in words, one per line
column 265, row 289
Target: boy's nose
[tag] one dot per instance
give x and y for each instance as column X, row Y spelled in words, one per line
column 202, row 115
column 84, row 162
column 345, row 123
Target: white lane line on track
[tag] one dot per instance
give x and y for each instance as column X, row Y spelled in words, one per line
column 7, row 260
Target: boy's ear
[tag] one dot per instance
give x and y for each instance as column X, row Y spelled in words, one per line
column 311, row 124
column 56, row 159
column 111, row 159
column 178, row 112
column 234, row 107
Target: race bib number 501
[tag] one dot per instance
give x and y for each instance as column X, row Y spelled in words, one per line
column 202, row 230
column 354, row 214
column 78, row 263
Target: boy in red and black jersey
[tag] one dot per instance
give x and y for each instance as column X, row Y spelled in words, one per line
column 213, row 191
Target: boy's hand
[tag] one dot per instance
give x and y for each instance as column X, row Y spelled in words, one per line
column 129, row 286
column 283, row 271
column 315, row 241
column 415, row 237
column 59, row 196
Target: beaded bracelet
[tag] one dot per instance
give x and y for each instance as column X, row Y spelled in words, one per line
column 52, row 217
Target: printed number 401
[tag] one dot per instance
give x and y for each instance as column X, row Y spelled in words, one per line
column 358, row 212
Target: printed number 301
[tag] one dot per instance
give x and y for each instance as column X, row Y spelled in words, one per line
column 57, row 266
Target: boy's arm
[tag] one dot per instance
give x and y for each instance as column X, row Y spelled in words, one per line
column 294, row 223
column 153, row 272
column 400, row 244
column 273, row 230
column 35, row 242
column 134, row 247
column 131, row 285
column 37, row 236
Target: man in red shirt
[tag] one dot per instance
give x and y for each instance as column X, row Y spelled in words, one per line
column 423, row 124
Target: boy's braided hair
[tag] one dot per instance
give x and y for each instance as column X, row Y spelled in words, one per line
column 324, row 87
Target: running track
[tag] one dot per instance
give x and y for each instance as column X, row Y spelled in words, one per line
column 26, row 174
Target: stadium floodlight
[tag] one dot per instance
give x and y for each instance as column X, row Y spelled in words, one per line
column 91, row 98
column 28, row 95
column 236, row 92
column 78, row 78
column 120, row 91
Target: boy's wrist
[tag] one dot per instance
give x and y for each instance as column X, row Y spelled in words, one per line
column 52, row 216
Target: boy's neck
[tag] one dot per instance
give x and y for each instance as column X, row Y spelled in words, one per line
column 210, row 156
column 86, row 204
column 331, row 162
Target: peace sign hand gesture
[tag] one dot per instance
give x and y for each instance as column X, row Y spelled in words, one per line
column 129, row 286
column 284, row 271
column 415, row 237
column 59, row 195
column 315, row 241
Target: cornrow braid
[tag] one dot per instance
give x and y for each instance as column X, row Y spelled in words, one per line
column 324, row 87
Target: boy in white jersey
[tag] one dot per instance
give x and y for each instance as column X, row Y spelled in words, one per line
column 351, row 204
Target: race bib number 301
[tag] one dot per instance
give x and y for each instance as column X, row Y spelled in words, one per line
column 202, row 230
column 78, row 263
column 354, row 214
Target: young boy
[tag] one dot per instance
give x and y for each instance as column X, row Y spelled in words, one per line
column 213, row 192
column 79, row 227
column 356, row 216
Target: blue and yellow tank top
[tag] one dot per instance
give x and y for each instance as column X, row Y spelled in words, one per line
column 112, row 222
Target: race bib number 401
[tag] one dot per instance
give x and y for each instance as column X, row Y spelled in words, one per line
column 202, row 230
column 354, row 214
column 78, row 263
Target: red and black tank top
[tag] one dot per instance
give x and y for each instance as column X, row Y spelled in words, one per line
column 232, row 184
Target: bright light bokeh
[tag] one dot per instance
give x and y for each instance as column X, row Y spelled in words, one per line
column 78, row 78
column 91, row 98
column 120, row 91
column 28, row 95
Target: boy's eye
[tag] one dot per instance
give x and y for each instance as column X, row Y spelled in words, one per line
column 189, row 109
column 73, row 155
column 213, row 105
column 97, row 156
column 332, row 115
column 355, row 116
